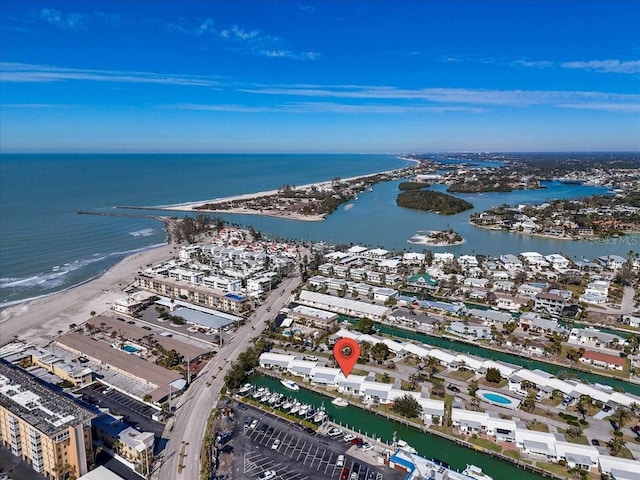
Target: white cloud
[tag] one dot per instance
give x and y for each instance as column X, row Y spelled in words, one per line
column 20, row 72
column 482, row 97
column 605, row 66
column 71, row 21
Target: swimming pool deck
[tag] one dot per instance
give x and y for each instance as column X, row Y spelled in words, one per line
column 508, row 402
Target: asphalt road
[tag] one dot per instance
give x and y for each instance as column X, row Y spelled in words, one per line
column 186, row 429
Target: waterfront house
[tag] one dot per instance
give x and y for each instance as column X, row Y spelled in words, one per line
column 491, row 317
column 593, row 337
column 598, row 287
column 475, row 282
column 478, row 332
column 584, row 457
column 510, row 262
column 557, row 261
column 534, row 258
column 612, row 262
column 603, row 360
column 618, row 468
column 539, row 444
column 278, row 361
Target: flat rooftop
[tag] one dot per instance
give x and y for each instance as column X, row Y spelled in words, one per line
column 131, row 364
column 42, row 407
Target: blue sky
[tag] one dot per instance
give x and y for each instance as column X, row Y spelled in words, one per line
column 330, row 76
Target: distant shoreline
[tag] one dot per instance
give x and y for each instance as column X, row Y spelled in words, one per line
column 192, row 206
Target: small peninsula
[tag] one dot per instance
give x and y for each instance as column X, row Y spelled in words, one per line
column 432, row 201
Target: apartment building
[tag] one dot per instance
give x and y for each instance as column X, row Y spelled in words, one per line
column 42, row 426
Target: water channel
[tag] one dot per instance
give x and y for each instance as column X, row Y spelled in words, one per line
column 427, row 445
column 507, row 357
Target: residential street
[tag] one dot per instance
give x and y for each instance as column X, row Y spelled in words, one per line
column 185, row 430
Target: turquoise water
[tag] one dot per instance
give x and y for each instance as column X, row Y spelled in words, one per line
column 46, row 247
column 130, row 349
column 495, row 397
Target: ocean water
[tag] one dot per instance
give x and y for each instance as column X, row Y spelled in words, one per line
column 45, row 246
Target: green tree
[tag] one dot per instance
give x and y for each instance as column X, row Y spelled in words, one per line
column 584, row 402
column 529, row 403
column 407, row 406
column 473, row 388
column 574, row 432
column 380, row 351
column 493, row 375
column 364, row 325
column 365, row 351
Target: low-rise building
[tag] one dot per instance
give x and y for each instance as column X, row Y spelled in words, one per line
column 603, row 360
column 550, row 303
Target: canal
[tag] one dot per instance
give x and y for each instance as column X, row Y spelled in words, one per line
column 427, row 444
column 505, row 357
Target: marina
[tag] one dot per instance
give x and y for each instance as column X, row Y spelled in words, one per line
column 426, row 444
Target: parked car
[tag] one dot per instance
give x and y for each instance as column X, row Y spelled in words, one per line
column 310, row 430
column 365, row 447
column 357, row 441
column 267, row 475
column 348, row 437
column 334, row 432
column 254, row 424
column 345, row 474
column 276, row 444
column 247, row 422
column 595, row 442
column 340, row 461
column 227, row 449
column 453, row 388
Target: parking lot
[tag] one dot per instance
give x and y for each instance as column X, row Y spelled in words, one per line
column 262, row 442
column 134, row 411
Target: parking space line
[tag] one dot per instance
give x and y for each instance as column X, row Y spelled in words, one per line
column 301, row 450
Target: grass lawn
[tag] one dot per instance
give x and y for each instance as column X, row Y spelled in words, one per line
column 581, row 440
column 380, row 378
column 406, row 386
column 537, row 426
column 502, row 383
column 554, row 467
column 485, row 443
column 462, row 375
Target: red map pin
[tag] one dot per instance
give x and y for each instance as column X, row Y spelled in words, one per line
column 346, row 352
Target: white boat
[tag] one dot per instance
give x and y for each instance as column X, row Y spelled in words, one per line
column 245, row 388
column 303, row 410
column 287, row 405
column 339, row 402
column 406, row 447
column 476, row 473
column 296, row 406
column 319, row 416
column 290, row 385
column 259, row 393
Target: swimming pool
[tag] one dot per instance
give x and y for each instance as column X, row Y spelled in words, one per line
column 498, row 399
column 130, row 349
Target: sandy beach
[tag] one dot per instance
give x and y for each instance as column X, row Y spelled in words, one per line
column 39, row 320
column 190, row 206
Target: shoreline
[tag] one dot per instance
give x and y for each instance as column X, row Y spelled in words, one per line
column 191, row 206
column 40, row 319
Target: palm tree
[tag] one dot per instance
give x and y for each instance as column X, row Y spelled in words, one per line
column 616, row 444
column 431, row 366
column 621, row 415
column 583, row 405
